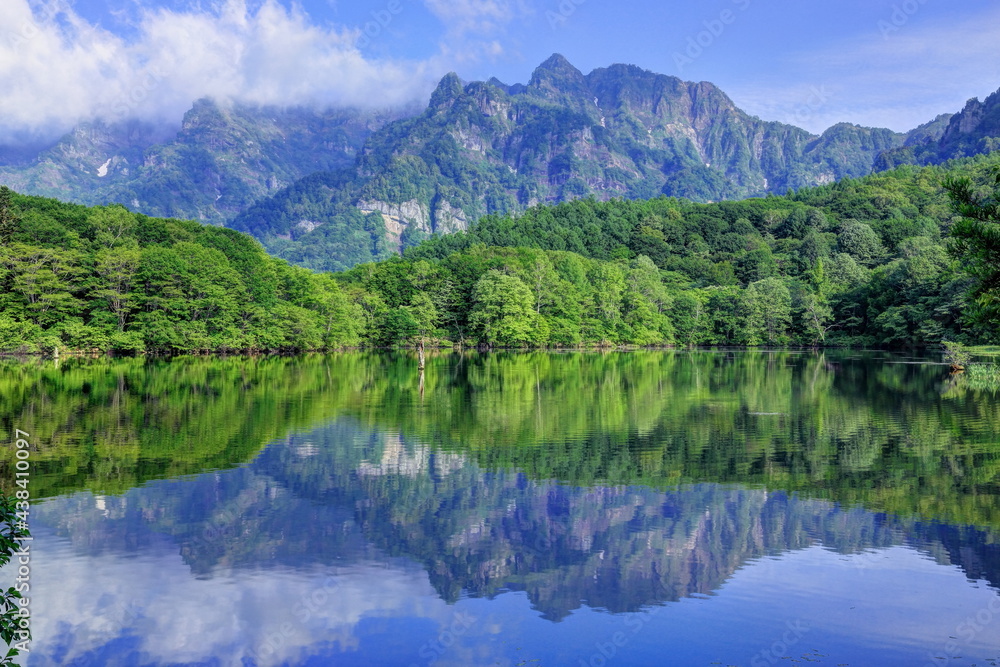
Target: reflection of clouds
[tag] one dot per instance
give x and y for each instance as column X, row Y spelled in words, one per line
column 398, row 458
column 84, row 603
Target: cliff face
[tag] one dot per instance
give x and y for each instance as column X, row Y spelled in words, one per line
column 221, row 159
column 974, row 130
column 488, row 147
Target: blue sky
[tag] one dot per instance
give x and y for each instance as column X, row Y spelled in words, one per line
column 891, row 63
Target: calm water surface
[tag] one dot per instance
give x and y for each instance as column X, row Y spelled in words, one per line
column 705, row 508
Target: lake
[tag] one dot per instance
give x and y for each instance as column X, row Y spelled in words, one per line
column 581, row 509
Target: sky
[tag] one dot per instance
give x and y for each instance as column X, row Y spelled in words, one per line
column 883, row 63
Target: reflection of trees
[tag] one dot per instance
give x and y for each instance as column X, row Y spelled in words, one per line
column 108, row 426
column 853, row 430
column 844, row 427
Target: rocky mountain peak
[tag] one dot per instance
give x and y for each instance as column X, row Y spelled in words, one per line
column 967, row 120
column 448, row 90
column 557, row 75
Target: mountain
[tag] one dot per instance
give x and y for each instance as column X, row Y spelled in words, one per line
column 331, row 189
column 972, row 131
column 221, row 160
column 488, row 147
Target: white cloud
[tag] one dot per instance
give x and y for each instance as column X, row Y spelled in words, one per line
column 898, row 80
column 476, row 16
column 473, row 25
column 58, row 69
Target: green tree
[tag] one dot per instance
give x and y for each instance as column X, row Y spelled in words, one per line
column 47, row 280
column 691, row 318
column 767, row 310
column 112, row 225
column 504, row 311
column 812, row 305
column 976, row 241
column 425, row 318
column 116, row 269
column 340, row 320
column 9, row 219
column 861, row 242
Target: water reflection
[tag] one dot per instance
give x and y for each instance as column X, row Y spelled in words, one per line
column 345, row 545
column 511, row 508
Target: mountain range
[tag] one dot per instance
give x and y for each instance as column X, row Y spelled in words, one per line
column 330, row 189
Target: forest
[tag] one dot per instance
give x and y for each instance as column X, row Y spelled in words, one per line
column 902, row 258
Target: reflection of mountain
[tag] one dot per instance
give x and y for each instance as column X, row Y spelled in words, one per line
column 343, row 494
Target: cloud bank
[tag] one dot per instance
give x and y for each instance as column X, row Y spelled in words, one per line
column 58, row 69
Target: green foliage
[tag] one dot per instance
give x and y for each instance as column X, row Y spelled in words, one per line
column 855, row 263
column 12, row 534
column 105, row 279
column 956, row 354
column 896, row 438
column 504, row 311
column 983, row 377
column 976, row 240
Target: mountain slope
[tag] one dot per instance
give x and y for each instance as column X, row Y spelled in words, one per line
column 973, row 131
column 222, row 159
column 486, row 147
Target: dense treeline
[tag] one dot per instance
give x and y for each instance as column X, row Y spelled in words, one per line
column 104, row 278
column 862, row 262
column 858, row 262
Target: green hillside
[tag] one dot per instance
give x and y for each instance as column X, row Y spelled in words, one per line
column 104, row 278
column 973, row 131
column 858, row 262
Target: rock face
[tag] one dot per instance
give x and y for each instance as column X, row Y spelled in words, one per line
column 220, row 160
column 973, row 131
column 397, row 218
column 93, row 157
